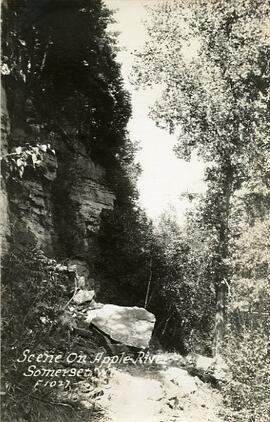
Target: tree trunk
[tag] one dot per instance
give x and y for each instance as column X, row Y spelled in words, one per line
column 220, row 319
column 222, row 270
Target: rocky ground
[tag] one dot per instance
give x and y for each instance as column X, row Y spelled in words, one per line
column 162, row 392
column 160, row 387
column 143, row 398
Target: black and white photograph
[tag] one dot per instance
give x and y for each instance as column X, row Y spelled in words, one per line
column 135, row 211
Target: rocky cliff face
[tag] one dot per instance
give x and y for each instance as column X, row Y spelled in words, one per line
column 52, row 193
column 65, row 127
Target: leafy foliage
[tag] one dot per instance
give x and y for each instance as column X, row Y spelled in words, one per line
column 30, row 284
column 61, row 74
column 247, row 346
column 15, row 163
column 35, row 294
column 247, row 394
column 126, row 247
column 190, row 301
column 210, row 59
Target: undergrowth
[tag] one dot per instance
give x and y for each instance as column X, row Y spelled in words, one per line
column 35, row 292
column 247, row 394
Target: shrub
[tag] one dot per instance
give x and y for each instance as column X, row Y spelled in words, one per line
column 247, row 395
column 35, row 292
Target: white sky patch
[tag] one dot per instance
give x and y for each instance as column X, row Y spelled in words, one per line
column 164, row 176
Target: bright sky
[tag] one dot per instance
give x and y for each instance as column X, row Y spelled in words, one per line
column 164, row 176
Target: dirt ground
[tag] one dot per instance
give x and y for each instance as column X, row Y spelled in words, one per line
column 168, row 394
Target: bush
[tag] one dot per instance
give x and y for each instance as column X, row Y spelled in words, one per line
column 248, row 345
column 247, row 395
column 35, row 292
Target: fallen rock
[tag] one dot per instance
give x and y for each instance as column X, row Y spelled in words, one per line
column 82, row 296
column 208, row 369
column 203, row 363
column 185, row 383
column 131, row 326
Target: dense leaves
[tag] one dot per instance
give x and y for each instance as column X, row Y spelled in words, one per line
column 247, row 346
column 61, row 74
column 30, row 284
column 211, row 59
column 35, row 294
column 189, row 301
column 247, row 394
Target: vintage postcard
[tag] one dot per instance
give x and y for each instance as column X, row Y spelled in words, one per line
column 135, row 194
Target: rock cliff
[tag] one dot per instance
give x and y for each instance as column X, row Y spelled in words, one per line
column 52, row 193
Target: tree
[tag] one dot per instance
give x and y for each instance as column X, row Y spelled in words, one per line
column 188, row 298
column 62, row 77
column 211, row 60
column 247, row 345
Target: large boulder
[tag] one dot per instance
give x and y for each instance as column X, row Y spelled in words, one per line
column 131, row 326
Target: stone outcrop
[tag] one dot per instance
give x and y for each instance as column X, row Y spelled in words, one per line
column 52, row 194
column 131, row 326
column 82, row 195
column 35, row 204
column 31, row 210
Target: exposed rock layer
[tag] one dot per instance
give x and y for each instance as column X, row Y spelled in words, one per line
column 57, row 202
